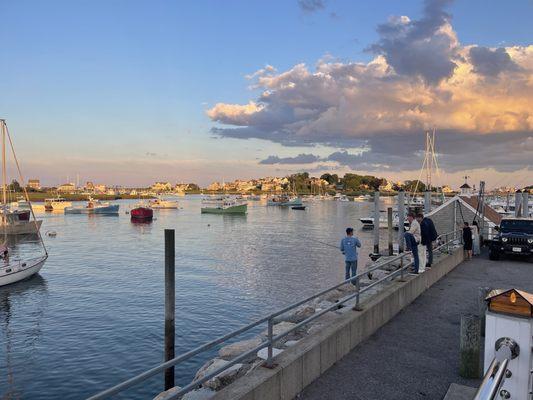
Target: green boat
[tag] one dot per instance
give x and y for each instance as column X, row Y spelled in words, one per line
column 224, row 205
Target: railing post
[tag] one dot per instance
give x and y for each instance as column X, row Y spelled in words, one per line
column 269, row 362
column 357, row 307
column 170, row 305
column 401, row 268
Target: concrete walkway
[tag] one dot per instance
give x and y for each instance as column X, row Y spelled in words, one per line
column 416, row 355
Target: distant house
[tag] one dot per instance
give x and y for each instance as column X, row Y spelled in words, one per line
column 34, row 184
column 66, row 188
column 161, row 187
column 100, row 188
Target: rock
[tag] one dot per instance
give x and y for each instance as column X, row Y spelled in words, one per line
column 379, row 274
column 167, row 393
column 322, row 321
column 290, row 343
column 199, row 394
column 279, row 328
column 297, row 315
column 222, row 379
column 236, row 349
column 323, row 305
column 334, row 295
column 263, row 353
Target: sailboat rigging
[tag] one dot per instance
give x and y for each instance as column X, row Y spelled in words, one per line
column 16, row 222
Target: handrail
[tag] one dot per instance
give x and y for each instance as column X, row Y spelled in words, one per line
column 492, row 381
column 271, row 339
column 506, row 350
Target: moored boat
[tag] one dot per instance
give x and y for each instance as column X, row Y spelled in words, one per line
column 15, row 222
column 161, row 204
column 284, row 200
column 56, row 204
column 141, row 213
column 94, row 207
column 224, row 205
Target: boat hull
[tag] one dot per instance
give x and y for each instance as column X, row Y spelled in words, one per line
column 21, row 228
column 16, row 272
column 238, row 209
column 142, row 214
column 295, row 202
column 104, row 210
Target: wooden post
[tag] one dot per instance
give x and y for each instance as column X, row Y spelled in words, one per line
column 390, row 228
column 470, row 347
column 376, row 222
column 401, row 219
column 170, row 304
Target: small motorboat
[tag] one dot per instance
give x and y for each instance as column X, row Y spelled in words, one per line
column 56, row 204
column 94, row 207
column 141, row 213
column 298, row 207
column 161, row 204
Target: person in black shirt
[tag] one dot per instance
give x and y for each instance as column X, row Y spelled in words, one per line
column 429, row 235
column 467, row 240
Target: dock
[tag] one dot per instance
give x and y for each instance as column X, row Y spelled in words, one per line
column 416, row 354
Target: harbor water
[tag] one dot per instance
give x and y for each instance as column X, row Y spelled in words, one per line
column 94, row 316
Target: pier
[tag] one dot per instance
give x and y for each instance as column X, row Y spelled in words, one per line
column 416, row 354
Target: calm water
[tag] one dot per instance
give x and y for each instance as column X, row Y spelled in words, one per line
column 95, row 314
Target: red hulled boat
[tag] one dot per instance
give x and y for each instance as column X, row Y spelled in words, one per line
column 142, row 214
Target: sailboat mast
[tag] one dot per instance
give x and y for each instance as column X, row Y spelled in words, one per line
column 4, row 196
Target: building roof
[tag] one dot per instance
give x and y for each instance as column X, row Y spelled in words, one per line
column 465, row 186
column 490, row 213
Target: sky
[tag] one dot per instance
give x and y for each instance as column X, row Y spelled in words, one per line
column 129, row 92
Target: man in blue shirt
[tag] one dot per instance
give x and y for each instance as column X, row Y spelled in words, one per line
column 349, row 247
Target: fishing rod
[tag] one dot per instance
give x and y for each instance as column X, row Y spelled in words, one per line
column 324, row 243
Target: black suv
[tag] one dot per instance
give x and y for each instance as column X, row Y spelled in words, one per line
column 515, row 236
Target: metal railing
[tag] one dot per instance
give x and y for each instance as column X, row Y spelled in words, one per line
column 444, row 243
column 491, row 386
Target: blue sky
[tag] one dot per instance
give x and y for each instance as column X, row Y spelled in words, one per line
column 117, row 91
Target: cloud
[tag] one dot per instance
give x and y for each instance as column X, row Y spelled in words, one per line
column 479, row 99
column 299, row 159
column 427, row 47
column 491, row 62
column 310, row 6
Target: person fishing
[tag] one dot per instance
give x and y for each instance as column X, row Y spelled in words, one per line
column 348, row 247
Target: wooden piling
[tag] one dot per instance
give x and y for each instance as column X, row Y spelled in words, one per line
column 470, row 347
column 170, row 304
column 376, row 222
column 390, row 229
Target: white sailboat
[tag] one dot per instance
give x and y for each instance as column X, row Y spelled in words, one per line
column 20, row 266
column 14, row 221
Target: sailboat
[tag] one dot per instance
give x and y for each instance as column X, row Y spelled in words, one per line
column 18, row 267
column 14, row 221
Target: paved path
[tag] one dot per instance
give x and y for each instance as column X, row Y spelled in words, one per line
column 416, row 355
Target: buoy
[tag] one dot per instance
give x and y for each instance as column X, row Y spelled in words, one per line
column 208, row 224
column 51, row 233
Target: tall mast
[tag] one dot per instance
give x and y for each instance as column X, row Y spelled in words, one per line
column 4, row 197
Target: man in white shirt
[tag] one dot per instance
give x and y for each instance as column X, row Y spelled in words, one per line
column 412, row 240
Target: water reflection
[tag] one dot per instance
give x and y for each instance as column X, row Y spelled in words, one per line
column 12, row 300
